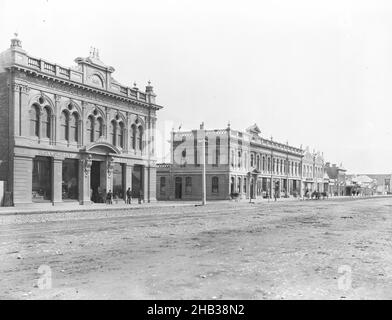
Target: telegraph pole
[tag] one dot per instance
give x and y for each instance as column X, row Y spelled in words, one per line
column 272, row 168
column 203, row 152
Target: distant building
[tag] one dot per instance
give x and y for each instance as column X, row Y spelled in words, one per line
column 242, row 164
column 380, row 184
column 313, row 172
column 337, row 179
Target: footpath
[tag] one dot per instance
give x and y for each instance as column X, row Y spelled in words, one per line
column 75, row 207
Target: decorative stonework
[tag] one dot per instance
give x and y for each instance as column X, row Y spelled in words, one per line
column 137, row 106
column 87, row 165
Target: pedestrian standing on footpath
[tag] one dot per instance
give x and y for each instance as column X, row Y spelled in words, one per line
column 129, row 196
column 109, row 197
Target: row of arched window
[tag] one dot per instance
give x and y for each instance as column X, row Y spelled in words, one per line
column 263, row 163
column 40, row 126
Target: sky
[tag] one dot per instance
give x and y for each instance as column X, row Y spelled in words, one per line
column 313, row 73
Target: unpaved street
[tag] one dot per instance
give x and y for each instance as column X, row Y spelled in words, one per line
column 331, row 249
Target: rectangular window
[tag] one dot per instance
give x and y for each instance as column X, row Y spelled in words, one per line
column 215, row 185
column 188, row 185
column 42, row 179
column 162, row 187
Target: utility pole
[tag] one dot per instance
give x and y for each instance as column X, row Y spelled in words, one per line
column 272, row 168
column 203, row 152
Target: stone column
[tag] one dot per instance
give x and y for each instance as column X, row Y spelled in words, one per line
column 57, row 173
column 153, row 184
column 22, row 180
column 25, row 108
column 109, row 174
column 145, row 182
column 128, row 168
column 84, row 180
column 17, row 108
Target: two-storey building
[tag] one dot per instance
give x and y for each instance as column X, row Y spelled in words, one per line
column 73, row 134
column 237, row 162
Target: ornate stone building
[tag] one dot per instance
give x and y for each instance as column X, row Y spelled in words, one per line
column 313, row 172
column 242, row 163
column 72, row 134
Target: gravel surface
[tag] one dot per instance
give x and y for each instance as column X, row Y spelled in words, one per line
column 327, row 249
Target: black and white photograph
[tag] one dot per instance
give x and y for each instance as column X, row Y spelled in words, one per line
column 190, row 150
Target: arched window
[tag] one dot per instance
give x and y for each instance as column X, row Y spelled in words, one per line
column 252, row 159
column 73, row 127
column 98, row 129
column 90, row 128
column 34, row 121
column 112, row 132
column 215, row 185
column 263, row 163
column 140, row 138
column 45, row 123
column 258, row 162
column 120, row 135
column 64, row 126
column 133, row 136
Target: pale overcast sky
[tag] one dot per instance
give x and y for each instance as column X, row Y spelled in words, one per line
column 316, row 73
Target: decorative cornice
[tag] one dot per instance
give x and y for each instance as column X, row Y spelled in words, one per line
column 84, row 87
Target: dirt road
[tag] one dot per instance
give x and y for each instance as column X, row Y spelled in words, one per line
column 332, row 249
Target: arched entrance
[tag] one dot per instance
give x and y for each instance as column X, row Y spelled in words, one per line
column 104, row 173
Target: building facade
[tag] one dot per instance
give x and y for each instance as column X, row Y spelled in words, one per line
column 313, row 172
column 72, row 134
column 337, row 177
column 243, row 164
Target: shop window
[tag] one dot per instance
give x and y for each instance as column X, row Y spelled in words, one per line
column 70, row 180
column 215, row 185
column 41, row 179
column 188, row 185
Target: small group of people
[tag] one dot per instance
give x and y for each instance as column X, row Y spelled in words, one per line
column 109, row 197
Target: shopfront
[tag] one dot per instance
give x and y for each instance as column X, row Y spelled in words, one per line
column 41, row 180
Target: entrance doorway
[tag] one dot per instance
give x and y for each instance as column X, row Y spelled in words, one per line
column 137, row 181
column 97, row 195
column 178, row 188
